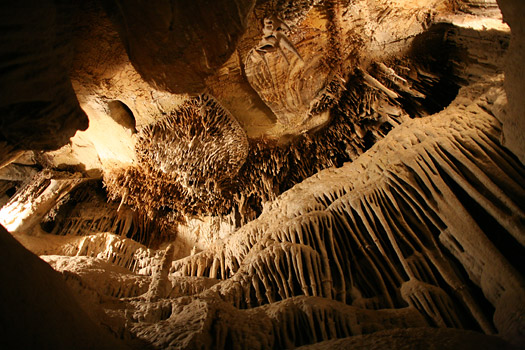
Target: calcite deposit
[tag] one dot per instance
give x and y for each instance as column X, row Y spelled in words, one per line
column 267, row 174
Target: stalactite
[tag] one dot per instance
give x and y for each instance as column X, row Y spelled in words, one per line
column 424, row 228
column 119, row 251
column 85, row 210
column 262, row 169
column 35, row 198
column 398, row 221
column 170, row 176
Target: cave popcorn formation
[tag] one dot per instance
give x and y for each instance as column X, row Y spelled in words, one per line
column 262, row 175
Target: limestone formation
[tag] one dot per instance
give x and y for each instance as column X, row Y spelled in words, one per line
column 268, row 174
column 185, row 161
column 38, row 107
column 379, row 201
column 415, row 338
column 288, row 85
column 183, row 42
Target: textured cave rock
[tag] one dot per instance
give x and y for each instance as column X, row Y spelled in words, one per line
column 200, row 127
column 291, row 87
column 39, row 109
column 342, row 181
column 229, row 260
column 360, row 110
column 186, row 161
column 177, row 44
column 84, row 209
column 513, row 123
column 383, row 240
column 104, row 80
column 37, row 198
column 291, row 82
column 359, row 206
column 414, row 339
column 122, row 115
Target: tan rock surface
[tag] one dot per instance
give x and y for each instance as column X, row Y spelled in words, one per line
column 273, row 175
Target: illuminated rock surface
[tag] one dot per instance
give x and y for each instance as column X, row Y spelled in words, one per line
column 262, row 175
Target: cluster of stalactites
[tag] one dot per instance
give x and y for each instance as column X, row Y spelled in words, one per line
column 233, row 175
column 380, row 241
column 198, row 142
column 186, row 162
column 120, row 251
column 362, row 111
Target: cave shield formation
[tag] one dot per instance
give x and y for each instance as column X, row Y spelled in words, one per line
column 270, row 174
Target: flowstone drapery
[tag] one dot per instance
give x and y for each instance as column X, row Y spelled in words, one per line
column 336, row 171
column 346, row 252
column 383, row 238
column 402, row 237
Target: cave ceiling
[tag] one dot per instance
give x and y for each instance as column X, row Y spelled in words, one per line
column 311, row 84
column 268, row 173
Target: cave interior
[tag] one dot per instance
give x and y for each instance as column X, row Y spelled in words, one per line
column 262, row 174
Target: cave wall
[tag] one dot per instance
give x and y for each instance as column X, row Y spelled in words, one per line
column 414, row 178
column 423, row 229
column 38, row 310
column 514, row 122
column 170, row 42
column 416, row 240
column 39, row 109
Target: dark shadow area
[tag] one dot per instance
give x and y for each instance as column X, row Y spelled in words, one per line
column 434, row 57
column 122, row 114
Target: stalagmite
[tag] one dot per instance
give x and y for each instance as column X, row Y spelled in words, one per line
column 158, row 287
